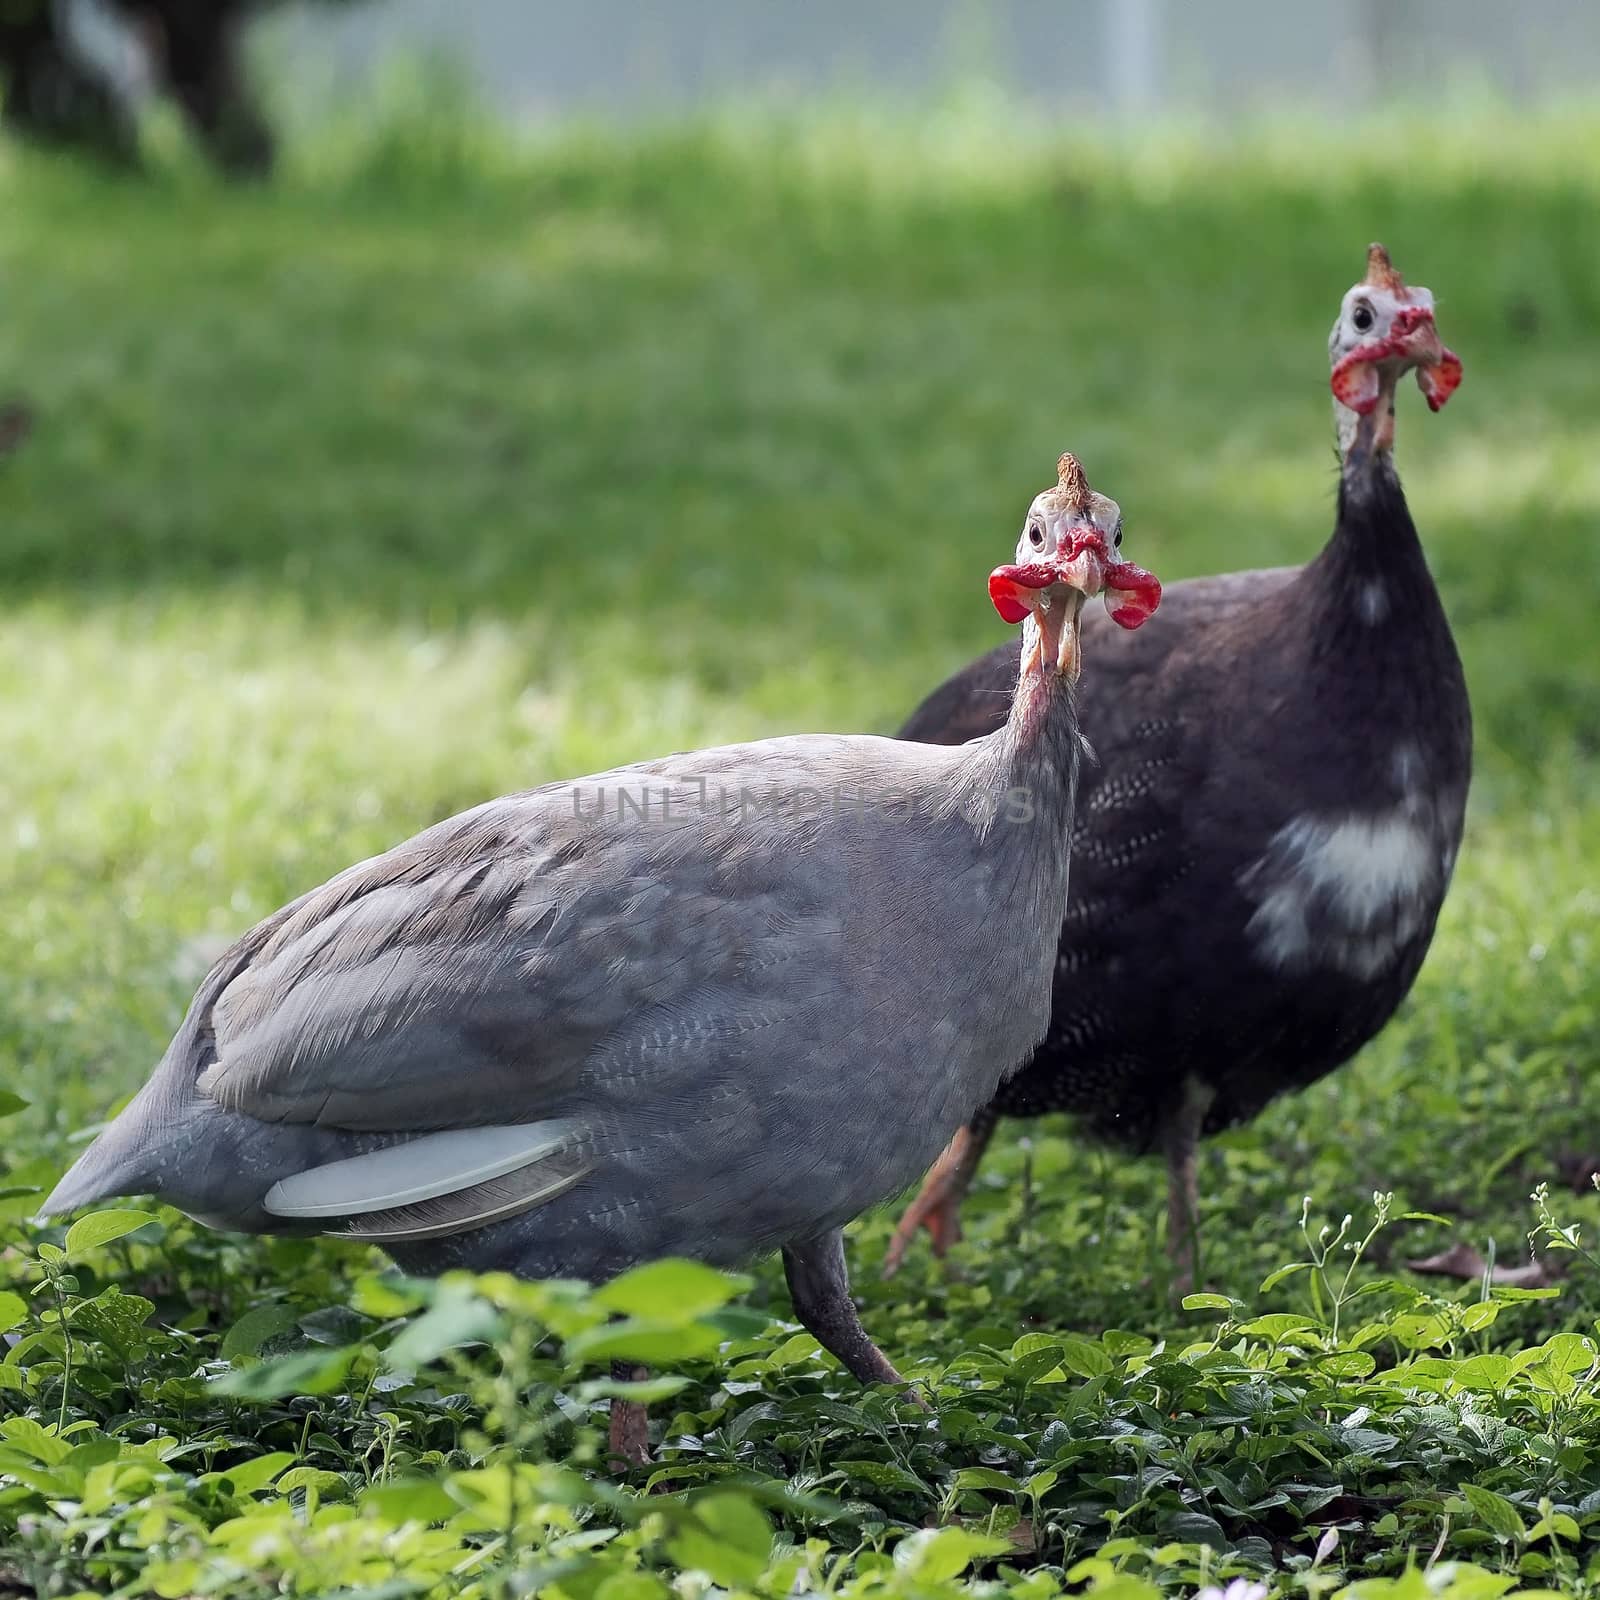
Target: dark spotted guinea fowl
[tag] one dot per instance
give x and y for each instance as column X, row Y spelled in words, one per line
column 666, row 1010
column 1264, row 841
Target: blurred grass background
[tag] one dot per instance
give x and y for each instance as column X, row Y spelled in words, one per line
column 452, row 463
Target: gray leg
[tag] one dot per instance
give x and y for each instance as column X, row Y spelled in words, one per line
column 1181, row 1138
column 820, row 1289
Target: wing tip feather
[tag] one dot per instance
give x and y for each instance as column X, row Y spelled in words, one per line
column 415, row 1171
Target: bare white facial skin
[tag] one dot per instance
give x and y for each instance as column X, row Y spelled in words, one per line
column 1048, row 527
column 1384, row 330
column 1367, row 316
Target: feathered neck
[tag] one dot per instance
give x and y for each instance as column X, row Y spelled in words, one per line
column 1027, row 769
column 1374, row 535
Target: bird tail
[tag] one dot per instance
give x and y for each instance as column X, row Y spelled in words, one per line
column 186, row 1150
column 124, row 1159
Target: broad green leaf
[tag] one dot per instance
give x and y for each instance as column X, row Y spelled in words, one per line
column 1494, row 1511
column 309, row 1372
column 670, row 1291
column 257, row 1473
column 43, row 1444
column 254, row 1329
column 936, row 1555
column 1208, row 1302
column 881, row 1474
column 1033, row 1364
column 1118, row 1343
column 384, row 1296
column 1568, row 1352
column 1487, row 1373
column 647, row 1391
column 333, row 1325
column 457, row 1317
column 173, row 1579
column 986, row 1478
column 632, row 1586
column 1273, row 1279
column 119, row 1321
column 13, row 1309
column 326, row 1484
column 411, row 1500
column 11, row 1104
column 739, row 1322
column 797, row 1349
column 1195, row 1527
column 1084, row 1357
column 1031, row 1342
column 102, row 1228
column 1276, row 1325
column 1557, row 1523
column 726, row 1536
column 632, row 1339
column 24, row 1183
column 43, row 1480
column 92, row 1453
column 1353, row 1364
column 1108, row 1584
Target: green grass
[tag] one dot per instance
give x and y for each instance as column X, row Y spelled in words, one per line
column 446, row 467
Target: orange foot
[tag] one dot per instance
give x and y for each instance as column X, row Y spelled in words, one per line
column 938, row 1206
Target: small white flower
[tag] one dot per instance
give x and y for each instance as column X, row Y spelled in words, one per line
column 1326, row 1545
column 1239, row 1589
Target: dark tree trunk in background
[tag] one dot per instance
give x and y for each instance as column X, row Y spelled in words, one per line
column 196, row 56
column 199, row 43
column 51, row 96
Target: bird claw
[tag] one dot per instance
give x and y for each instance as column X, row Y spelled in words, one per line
column 938, row 1209
column 938, row 1206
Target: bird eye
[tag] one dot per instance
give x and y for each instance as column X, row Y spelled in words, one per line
column 1362, row 317
column 1116, row 538
column 1036, row 536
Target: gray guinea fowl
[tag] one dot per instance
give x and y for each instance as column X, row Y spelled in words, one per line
column 710, row 1005
column 1266, row 838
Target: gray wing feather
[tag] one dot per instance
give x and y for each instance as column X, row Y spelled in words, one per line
column 492, row 1201
column 470, row 976
column 420, row 1169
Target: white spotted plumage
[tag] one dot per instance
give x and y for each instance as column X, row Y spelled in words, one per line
column 1346, row 892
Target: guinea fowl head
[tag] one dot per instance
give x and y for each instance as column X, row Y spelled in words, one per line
column 1067, row 554
column 1385, row 329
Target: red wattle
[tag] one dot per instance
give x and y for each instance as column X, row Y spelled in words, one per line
column 1010, row 608
column 1131, row 594
column 1354, row 380
column 1006, row 584
column 1439, row 382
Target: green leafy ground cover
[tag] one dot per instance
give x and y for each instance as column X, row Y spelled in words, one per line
column 302, row 552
